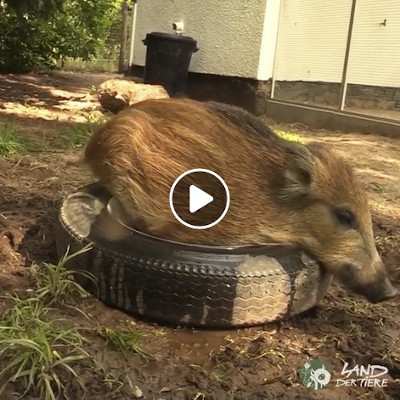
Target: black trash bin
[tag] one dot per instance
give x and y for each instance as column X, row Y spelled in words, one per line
column 167, row 60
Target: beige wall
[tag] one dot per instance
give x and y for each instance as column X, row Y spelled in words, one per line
column 313, row 35
column 375, row 49
column 229, row 33
column 312, row 40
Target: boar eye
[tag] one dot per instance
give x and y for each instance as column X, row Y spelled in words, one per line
column 346, row 218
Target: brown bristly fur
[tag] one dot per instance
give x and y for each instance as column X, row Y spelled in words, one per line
column 281, row 192
column 139, row 154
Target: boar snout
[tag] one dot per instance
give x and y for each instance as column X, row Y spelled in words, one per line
column 380, row 290
column 372, row 282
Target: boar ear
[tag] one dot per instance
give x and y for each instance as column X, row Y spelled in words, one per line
column 297, row 176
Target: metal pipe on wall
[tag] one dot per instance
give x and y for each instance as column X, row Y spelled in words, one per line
column 343, row 88
column 272, row 94
column 124, row 34
column 133, row 31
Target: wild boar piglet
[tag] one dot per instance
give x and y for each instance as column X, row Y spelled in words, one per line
column 281, row 192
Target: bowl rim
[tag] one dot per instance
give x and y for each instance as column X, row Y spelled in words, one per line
column 267, row 249
column 246, row 248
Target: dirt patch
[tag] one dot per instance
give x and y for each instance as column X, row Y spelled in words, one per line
column 257, row 363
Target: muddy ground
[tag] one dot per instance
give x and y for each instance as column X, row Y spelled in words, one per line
column 257, row 363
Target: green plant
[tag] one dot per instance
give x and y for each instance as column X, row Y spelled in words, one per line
column 124, row 340
column 38, row 353
column 113, row 383
column 96, row 119
column 377, row 187
column 10, row 142
column 290, row 136
column 35, row 6
column 47, row 31
column 55, row 283
column 93, row 90
column 77, row 135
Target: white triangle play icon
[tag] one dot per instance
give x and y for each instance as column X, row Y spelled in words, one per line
column 198, row 198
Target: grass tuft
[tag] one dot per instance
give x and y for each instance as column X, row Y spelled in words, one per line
column 10, row 142
column 39, row 354
column 55, row 284
column 124, row 340
column 290, row 136
column 77, row 135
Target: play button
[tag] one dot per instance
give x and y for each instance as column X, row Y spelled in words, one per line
column 199, row 198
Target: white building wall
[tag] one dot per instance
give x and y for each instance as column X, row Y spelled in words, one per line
column 313, row 36
column 375, row 48
column 238, row 38
column 312, row 40
column 229, row 33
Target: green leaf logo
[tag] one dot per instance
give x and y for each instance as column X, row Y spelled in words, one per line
column 315, row 374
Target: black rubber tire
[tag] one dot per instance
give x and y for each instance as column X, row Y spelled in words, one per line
column 183, row 284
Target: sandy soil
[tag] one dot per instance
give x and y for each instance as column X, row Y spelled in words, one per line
column 249, row 364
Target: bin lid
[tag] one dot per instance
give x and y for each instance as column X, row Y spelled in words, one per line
column 170, row 36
